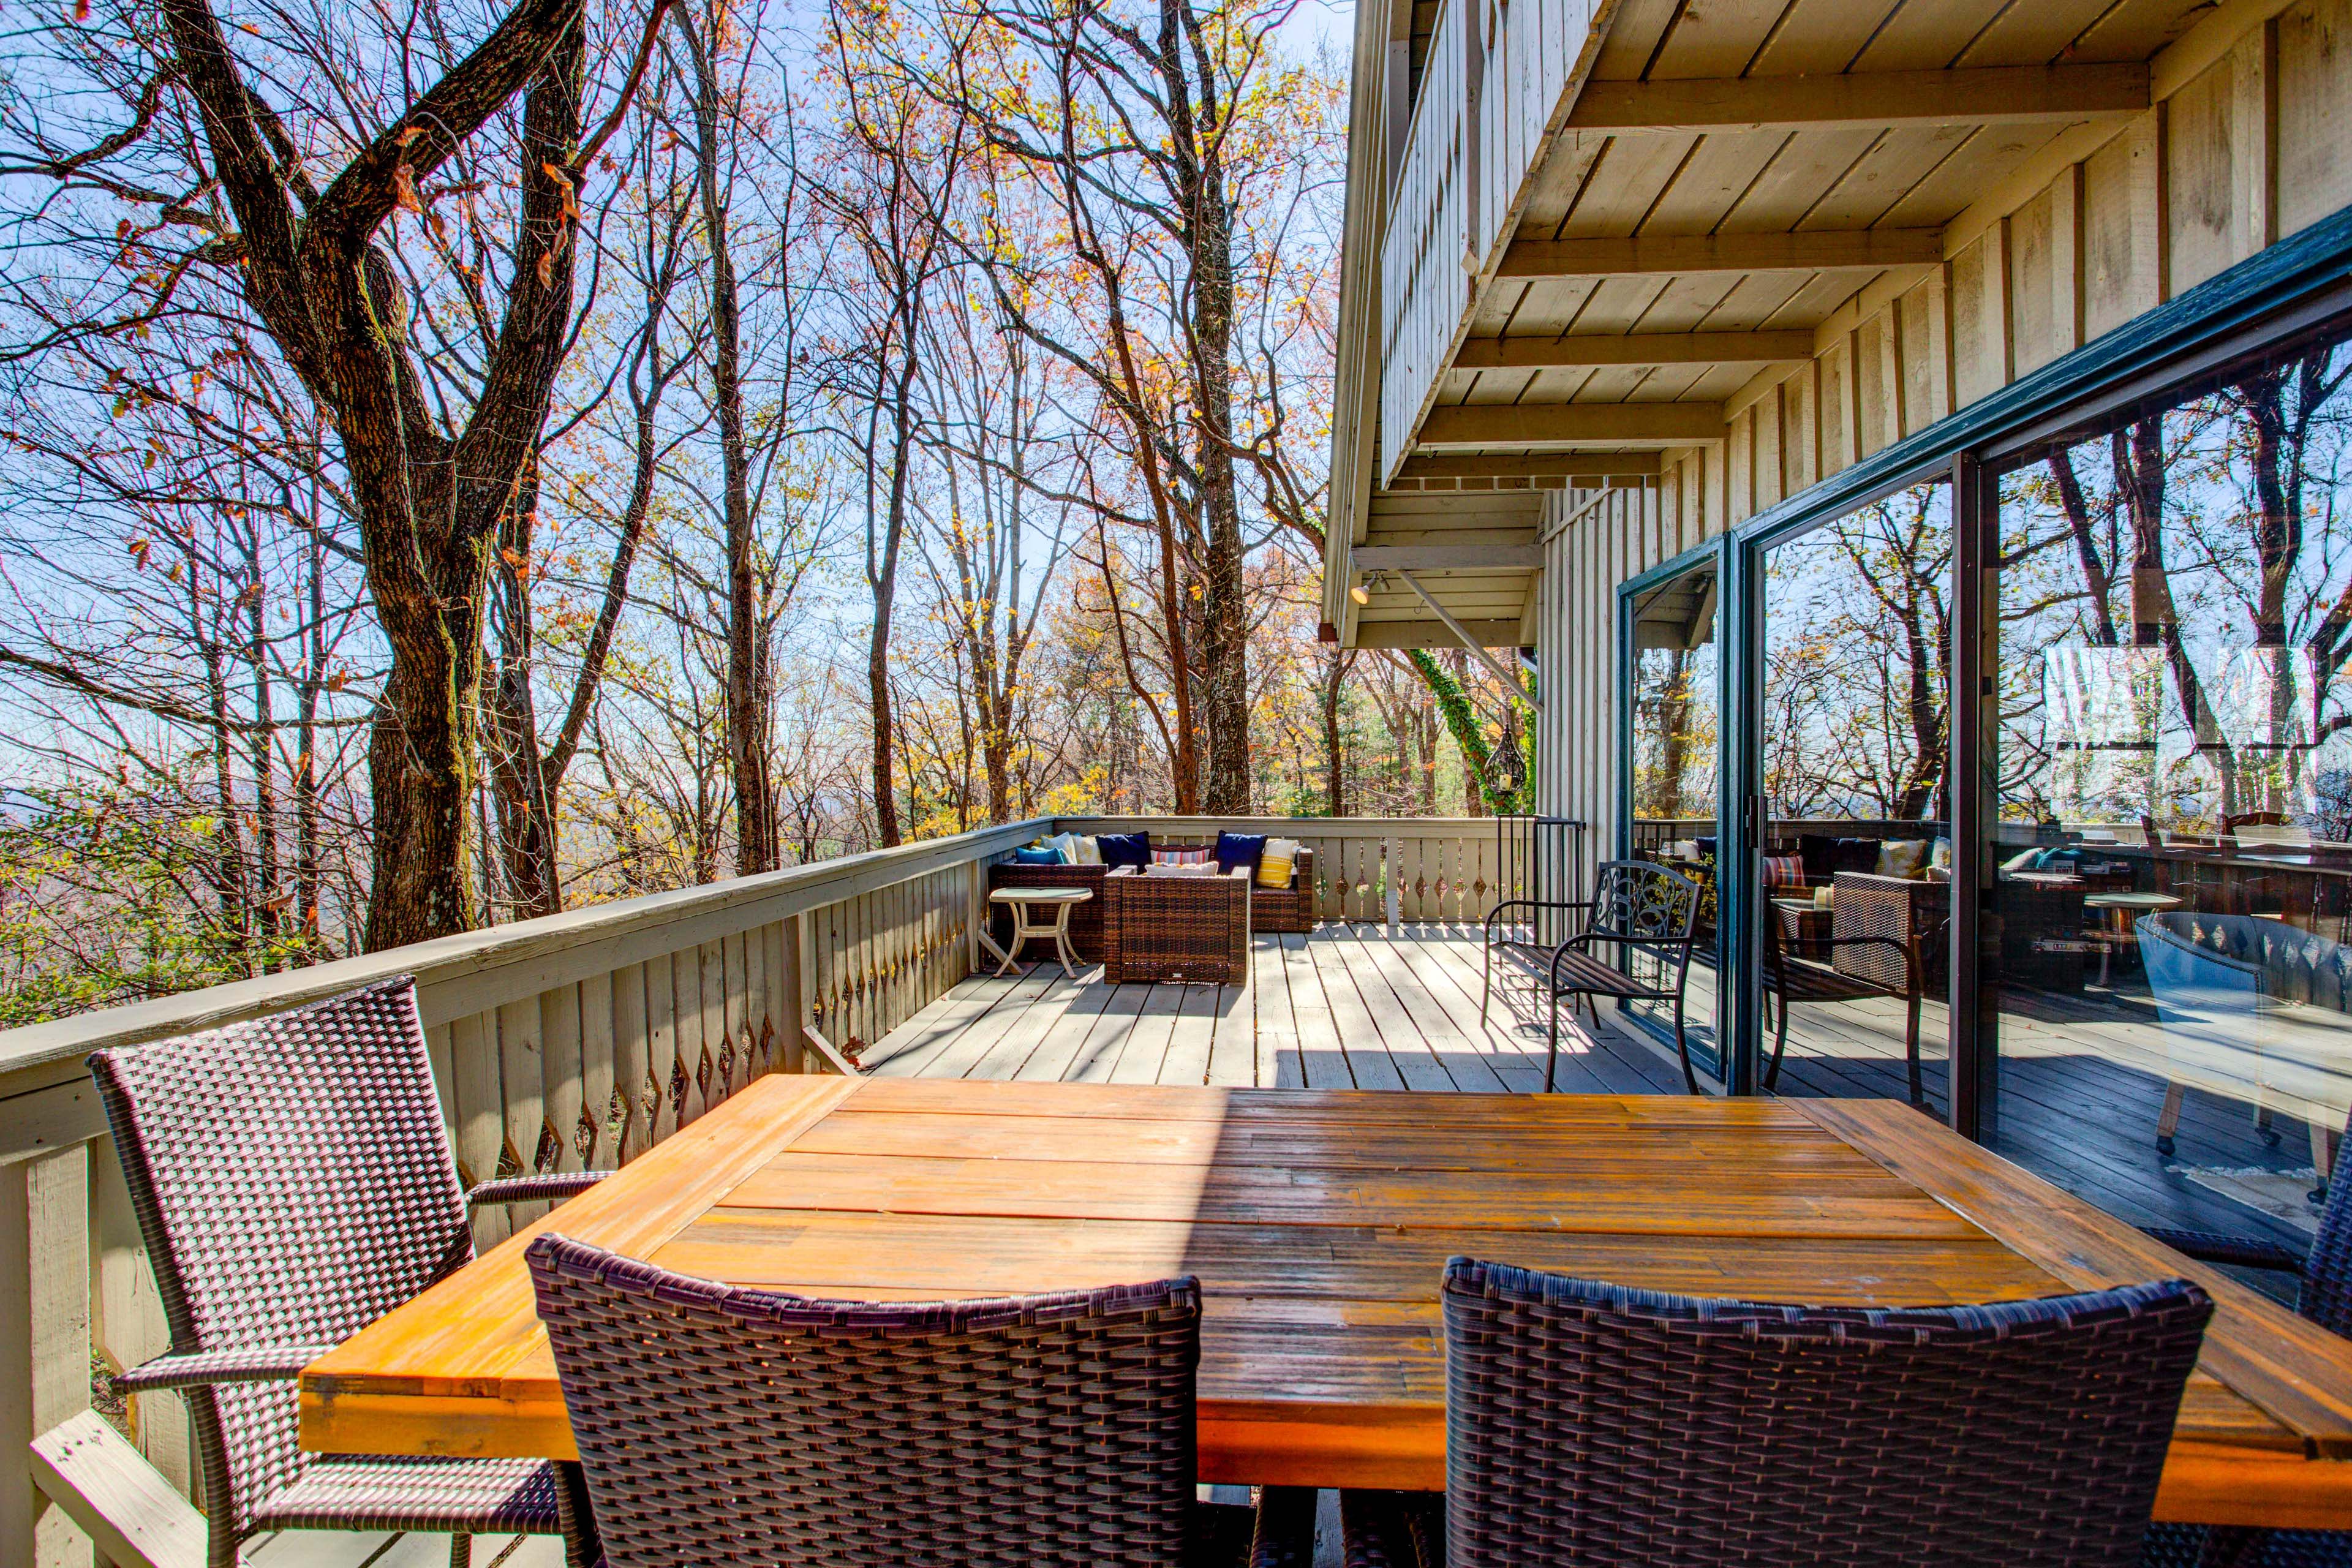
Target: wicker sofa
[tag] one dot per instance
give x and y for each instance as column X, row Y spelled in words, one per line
column 1290, row 908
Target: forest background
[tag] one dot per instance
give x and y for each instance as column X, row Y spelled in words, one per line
column 461, row 460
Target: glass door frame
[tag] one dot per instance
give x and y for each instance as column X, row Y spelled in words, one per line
column 2291, row 288
column 1717, row 554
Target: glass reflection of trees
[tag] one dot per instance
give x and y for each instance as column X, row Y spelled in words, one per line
column 1859, row 620
column 1675, row 709
column 2177, row 609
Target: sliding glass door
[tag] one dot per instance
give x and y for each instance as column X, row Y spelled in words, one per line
column 2170, row 867
column 1674, row 718
column 1853, row 878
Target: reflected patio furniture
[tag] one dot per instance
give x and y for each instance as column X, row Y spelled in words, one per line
column 2252, row 1010
column 1899, row 910
column 2118, row 909
column 2041, row 939
column 2042, row 1424
column 717, row 1423
column 2324, row 1273
column 293, row 1182
column 1802, row 965
column 1647, row 913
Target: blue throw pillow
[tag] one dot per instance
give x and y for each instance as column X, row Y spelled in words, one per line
column 1239, row 850
column 1027, row 856
column 1125, row 848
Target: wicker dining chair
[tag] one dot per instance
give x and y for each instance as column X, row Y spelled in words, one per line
column 730, row 1426
column 1590, row 1423
column 293, row 1182
column 2324, row 1275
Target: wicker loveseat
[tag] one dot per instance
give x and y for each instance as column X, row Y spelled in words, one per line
column 1290, row 908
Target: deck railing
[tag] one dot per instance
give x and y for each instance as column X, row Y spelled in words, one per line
column 562, row 1044
column 1438, row 867
column 1490, row 94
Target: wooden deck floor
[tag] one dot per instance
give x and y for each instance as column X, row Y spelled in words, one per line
column 1346, row 1008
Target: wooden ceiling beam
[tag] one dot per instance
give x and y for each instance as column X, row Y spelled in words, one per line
column 1595, row 350
column 1527, row 466
column 1573, row 425
column 1446, row 557
column 1814, row 250
column 1431, row 631
column 1979, row 96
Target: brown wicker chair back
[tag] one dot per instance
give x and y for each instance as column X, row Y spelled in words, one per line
column 293, row 1182
column 1592, row 1424
column 723, row 1425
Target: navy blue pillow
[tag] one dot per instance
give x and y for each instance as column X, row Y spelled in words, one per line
column 1125, row 848
column 1239, row 850
column 1027, row 856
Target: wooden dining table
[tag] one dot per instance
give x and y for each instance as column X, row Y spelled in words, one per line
column 1317, row 1222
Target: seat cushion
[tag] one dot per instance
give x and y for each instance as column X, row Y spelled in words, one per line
column 1239, row 850
column 479, row 1497
column 1124, row 848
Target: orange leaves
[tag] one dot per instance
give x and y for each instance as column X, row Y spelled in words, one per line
column 563, row 184
column 403, row 188
column 140, row 547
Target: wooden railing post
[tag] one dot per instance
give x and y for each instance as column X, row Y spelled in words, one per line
column 43, row 1343
column 127, row 1325
column 799, row 993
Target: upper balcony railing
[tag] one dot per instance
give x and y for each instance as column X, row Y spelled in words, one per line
column 1489, row 91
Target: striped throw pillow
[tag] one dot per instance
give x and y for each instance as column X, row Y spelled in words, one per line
column 1181, row 856
column 1274, row 866
column 1784, row 870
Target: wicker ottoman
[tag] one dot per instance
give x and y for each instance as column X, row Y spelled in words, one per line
column 1175, row 926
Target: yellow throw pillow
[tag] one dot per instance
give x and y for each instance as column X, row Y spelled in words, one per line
column 1274, row 865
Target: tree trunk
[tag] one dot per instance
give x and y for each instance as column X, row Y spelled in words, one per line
column 749, row 715
column 1335, row 755
column 429, row 505
column 521, row 792
column 1197, row 160
column 306, row 733
column 884, row 578
column 2137, row 454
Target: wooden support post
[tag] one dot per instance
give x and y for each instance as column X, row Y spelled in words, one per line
column 43, row 1343
column 799, row 989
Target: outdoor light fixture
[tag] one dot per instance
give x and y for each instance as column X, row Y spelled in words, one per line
column 1359, row 592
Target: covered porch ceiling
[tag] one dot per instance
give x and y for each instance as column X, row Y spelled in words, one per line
column 1723, row 194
